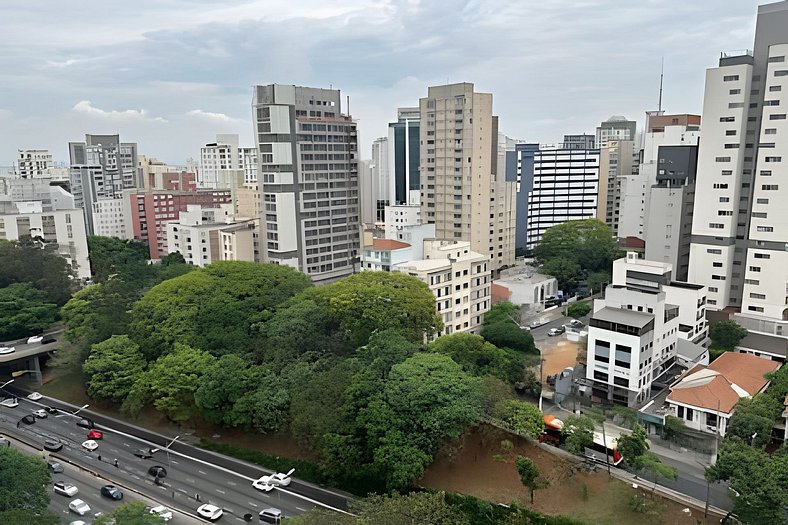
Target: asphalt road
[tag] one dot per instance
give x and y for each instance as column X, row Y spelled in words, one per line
column 27, row 350
column 189, row 482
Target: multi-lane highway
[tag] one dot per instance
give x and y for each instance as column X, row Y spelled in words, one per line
column 190, row 481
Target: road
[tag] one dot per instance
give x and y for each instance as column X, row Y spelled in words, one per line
column 28, row 350
column 190, row 481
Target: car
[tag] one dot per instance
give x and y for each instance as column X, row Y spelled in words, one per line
column 55, row 467
column 4, row 442
column 89, row 445
column 157, row 471
column 35, row 339
column 271, row 515
column 111, row 491
column 7, row 350
column 145, row 453
column 28, row 419
column 10, row 402
column 95, row 434
column 48, row 340
column 162, row 512
column 65, row 488
column 52, row 444
column 576, row 323
column 51, row 410
column 78, row 522
column 555, row 331
column 40, row 413
column 79, row 506
column 267, row 483
column 34, row 396
column 85, row 423
column 210, row 512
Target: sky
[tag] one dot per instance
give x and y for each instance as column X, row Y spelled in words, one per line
column 171, row 74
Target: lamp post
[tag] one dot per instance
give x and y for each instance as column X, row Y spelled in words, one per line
column 2, row 418
column 77, row 411
column 167, row 449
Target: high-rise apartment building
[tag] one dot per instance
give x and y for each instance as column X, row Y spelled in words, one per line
column 458, row 169
column 101, row 168
column 219, row 162
column 582, row 141
column 740, row 226
column 33, row 163
column 380, row 173
column 616, row 127
column 308, row 179
column 404, row 157
column 618, row 160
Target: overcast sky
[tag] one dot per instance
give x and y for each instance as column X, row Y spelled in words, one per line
column 170, row 74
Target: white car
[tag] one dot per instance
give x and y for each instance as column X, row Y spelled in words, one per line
column 210, row 512
column 35, row 339
column 35, row 396
column 40, row 413
column 79, row 522
column 7, row 350
column 79, row 506
column 10, row 402
column 162, row 512
column 65, row 489
column 267, row 483
column 90, row 445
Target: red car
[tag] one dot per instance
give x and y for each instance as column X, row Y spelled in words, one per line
column 95, row 434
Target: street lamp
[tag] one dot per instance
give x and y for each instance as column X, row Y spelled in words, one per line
column 167, row 449
column 2, row 387
column 77, row 411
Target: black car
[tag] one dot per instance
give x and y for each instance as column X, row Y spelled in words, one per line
column 54, row 466
column 52, row 444
column 51, row 410
column 157, row 471
column 48, row 340
column 144, row 453
column 85, row 423
column 28, row 419
column 111, row 491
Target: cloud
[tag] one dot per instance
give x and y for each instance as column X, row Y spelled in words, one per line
column 218, row 117
column 87, row 108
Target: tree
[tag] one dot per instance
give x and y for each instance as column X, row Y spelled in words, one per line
column 112, row 368
column 25, row 481
column 24, row 311
column 567, row 272
column 29, row 517
column 170, row 383
column 528, row 473
column 370, row 301
column 578, row 309
column 651, row 463
column 39, row 264
column 596, row 281
column 479, row 357
column 587, row 242
column 502, row 311
column 97, row 312
column 212, row 308
column 633, row 446
column 754, row 417
column 523, row 418
column 673, row 426
column 578, row 433
column 506, row 334
column 134, row 513
column 495, row 391
column 725, row 335
column 110, row 256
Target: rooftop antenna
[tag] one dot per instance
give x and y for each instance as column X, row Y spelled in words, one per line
column 661, row 76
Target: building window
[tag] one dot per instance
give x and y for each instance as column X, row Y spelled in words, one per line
column 777, row 116
column 600, row 376
column 730, row 78
column 620, row 381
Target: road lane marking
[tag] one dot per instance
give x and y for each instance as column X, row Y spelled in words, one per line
column 201, row 472
column 232, row 483
column 220, row 491
column 252, row 504
column 191, row 480
column 302, row 510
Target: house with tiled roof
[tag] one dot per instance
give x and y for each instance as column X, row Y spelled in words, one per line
column 705, row 397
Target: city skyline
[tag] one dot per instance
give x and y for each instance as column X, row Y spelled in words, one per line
column 170, row 76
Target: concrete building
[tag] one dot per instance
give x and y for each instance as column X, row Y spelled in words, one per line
column 205, row 235
column 33, row 163
column 459, row 172
column 460, row 280
column 157, row 174
column 565, row 186
column 384, row 254
column 308, row 178
column 705, row 398
column 149, row 212
column 615, row 128
column 635, row 332
column 404, row 157
column 377, row 187
column 618, row 164
column 740, row 230
column 524, row 285
column 581, row 141
column 524, row 165
column 62, row 227
column 218, row 157
column 248, row 158
column 109, row 219
column 101, row 168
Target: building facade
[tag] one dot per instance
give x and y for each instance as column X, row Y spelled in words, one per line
column 33, row 163
column 216, row 158
column 616, row 127
column 206, row 235
column 308, row 177
column 404, row 157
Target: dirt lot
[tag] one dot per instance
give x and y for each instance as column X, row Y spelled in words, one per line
column 558, row 354
column 485, row 469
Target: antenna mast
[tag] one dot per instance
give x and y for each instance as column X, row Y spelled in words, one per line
column 661, row 76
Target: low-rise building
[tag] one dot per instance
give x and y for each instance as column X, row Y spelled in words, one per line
column 706, row 396
column 525, row 285
column 460, row 280
column 383, row 254
column 205, row 235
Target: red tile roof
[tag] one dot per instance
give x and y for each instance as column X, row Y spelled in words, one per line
column 388, row 244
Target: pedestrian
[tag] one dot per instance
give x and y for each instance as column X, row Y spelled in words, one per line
column 116, row 462
column 197, row 497
column 99, row 457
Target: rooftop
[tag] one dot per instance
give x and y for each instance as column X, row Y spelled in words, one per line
column 623, row 316
column 388, row 244
column 726, row 380
column 765, row 343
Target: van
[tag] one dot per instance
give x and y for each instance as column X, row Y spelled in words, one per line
column 271, row 516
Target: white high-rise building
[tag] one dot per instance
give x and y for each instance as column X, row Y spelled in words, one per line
column 461, row 189
column 33, row 163
column 308, row 177
column 375, row 186
column 216, row 158
column 740, row 225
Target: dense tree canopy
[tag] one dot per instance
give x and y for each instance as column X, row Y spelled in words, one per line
column 24, row 311
column 509, row 335
column 725, row 335
column 479, row 357
column 134, row 513
column 111, row 256
column 25, row 261
column 523, row 418
column 212, row 308
column 578, row 309
column 112, row 368
column 25, row 479
column 578, row 433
